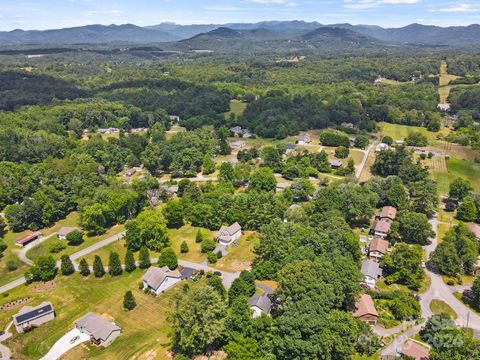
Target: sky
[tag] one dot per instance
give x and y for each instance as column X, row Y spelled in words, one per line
column 51, row 14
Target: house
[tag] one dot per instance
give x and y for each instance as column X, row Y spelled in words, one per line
column 444, row 107
column 399, row 142
column 237, row 131
column 259, row 305
column 335, row 164
column 347, row 125
column 414, row 350
column 304, row 139
column 371, row 271
column 160, row 279
column 388, row 213
column 378, row 80
column 380, row 228
column 281, row 186
column 237, row 144
column 64, row 231
column 31, row 317
column 381, row 147
column 130, row 172
column 289, row 148
column 377, row 248
column 475, row 229
column 365, row 310
column 101, row 331
column 174, row 118
column 28, row 238
column 110, row 130
column 248, row 135
column 228, row 234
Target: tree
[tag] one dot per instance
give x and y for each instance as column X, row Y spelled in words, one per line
column 361, row 141
column 459, row 189
column 476, row 292
column 402, row 266
column 342, row 152
column 93, row 219
column 114, row 264
column 168, row 258
column 130, row 261
column 129, row 302
column 83, row 267
column 467, row 211
column 75, row 238
column 44, row 269
column 66, row 265
column 243, row 349
column 263, row 180
column 243, row 286
column 198, row 321
column 208, row 165
column 184, row 247
column 387, row 140
column 446, row 259
column 199, row 236
column 397, row 197
column 416, row 139
column 98, row 269
column 148, row 229
column 302, row 189
column 173, row 213
column 144, row 258
column 412, row 227
column 208, row 245
column 215, row 282
column 212, row 258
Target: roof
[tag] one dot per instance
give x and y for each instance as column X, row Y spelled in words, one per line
column 365, row 306
column 262, row 302
column 283, row 185
column 64, row 231
column 28, row 238
column 379, row 245
column 388, row 212
column 97, row 326
column 475, row 229
column 29, row 313
column 304, row 137
column 371, row 269
column 290, row 146
column 415, row 350
column 232, row 229
column 381, row 226
column 334, row 162
column 155, row 276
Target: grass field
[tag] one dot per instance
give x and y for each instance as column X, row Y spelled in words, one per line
column 400, row 132
column 440, row 307
column 12, row 249
column 445, row 77
column 144, row 329
column 457, row 168
column 237, row 108
column 239, row 257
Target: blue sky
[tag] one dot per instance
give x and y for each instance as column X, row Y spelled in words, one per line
column 48, row 14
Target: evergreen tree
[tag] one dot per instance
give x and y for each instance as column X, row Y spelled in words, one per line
column 184, row 247
column 208, row 166
column 83, row 267
column 199, row 236
column 98, row 269
column 114, row 264
column 168, row 258
column 144, row 258
column 66, row 266
column 129, row 302
column 467, row 211
column 130, row 262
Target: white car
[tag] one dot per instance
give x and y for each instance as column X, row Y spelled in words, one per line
column 424, row 265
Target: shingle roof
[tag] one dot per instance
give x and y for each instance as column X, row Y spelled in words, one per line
column 64, row 231
column 388, row 212
column 97, row 326
column 371, row 268
column 334, row 162
column 29, row 313
column 232, row 229
column 262, row 302
column 381, row 226
column 379, row 245
column 417, row 351
column 365, row 306
column 154, row 277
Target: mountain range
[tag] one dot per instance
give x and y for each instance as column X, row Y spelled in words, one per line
column 216, row 37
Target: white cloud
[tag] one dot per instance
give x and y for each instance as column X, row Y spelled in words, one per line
column 363, row 4
column 460, row 8
column 269, row 1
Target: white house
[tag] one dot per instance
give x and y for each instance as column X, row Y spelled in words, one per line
column 228, row 234
column 237, row 144
column 101, row 331
column 259, row 305
column 160, row 279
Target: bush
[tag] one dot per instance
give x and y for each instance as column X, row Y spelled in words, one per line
column 129, row 302
column 184, row 247
column 199, row 237
column 208, row 245
column 219, row 254
column 75, row 238
column 12, row 265
column 334, row 138
column 342, row 152
column 168, row 258
column 212, row 258
column 56, row 247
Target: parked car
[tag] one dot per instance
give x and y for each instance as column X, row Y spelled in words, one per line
column 74, row 339
column 218, row 273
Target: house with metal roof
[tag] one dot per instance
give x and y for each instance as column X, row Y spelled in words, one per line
column 259, row 305
column 102, row 332
column 31, row 317
column 28, row 238
column 228, row 234
column 160, row 279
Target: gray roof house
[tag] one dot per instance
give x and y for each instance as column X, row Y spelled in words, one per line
column 101, row 331
column 335, row 164
column 160, row 279
column 371, row 271
column 228, row 234
column 260, row 304
column 31, row 317
column 304, row 139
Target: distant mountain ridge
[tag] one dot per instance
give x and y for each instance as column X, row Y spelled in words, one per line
column 416, row 34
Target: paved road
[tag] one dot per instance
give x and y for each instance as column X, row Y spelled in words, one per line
column 22, row 255
column 5, row 351
column 227, row 277
column 399, row 340
column 364, row 161
column 193, row 179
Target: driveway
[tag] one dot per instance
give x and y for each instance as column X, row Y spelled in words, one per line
column 63, row 344
column 22, row 255
column 227, row 277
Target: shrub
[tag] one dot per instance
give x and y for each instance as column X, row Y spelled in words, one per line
column 75, row 238
column 212, row 258
column 12, row 265
column 184, row 247
column 208, row 245
column 199, row 236
column 168, row 258
column 342, row 152
column 57, row 247
column 129, row 302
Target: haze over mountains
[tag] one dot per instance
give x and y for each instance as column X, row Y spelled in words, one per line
column 283, row 34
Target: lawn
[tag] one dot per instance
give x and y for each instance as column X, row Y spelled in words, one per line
column 465, row 169
column 440, row 307
column 400, row 132
column 144, row 329
column 237, row 108
column 366, row 174
column 12, row 250
column 239, row 257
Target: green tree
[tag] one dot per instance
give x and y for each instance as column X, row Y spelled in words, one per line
column 130, row 261
column 459, row 189
column 402, row 266
column 208, row 245
column 361, row 141
column 387, row 140
column 212, row 258
column 184, row 247
column 243, row 349
column 302, row 189
column 114, row 264
column 446, row 259
column 208, row 166
column 243, row 286
column 412, row 227
column 198, row 321
column 129, row 302
column 397, row 196
column 476, row 292
column 93, row 219
column 416, row 139
column 66, row 265
column 148, row 229
column 43, row 269
column 98, row 269
column 173, row 213
column 467, row 211
column 75, row 238
column 215, row 282
column 144, row 258
column 199, row 236
column 342, row 152
column 263, row 180
column 168, row 258
column 83, row 268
